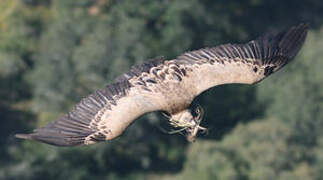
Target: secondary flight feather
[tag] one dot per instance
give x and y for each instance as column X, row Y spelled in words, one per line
column 170, row 86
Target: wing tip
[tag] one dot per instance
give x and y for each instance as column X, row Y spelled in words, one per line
column 293, row 39
column 55, row 141
column 285, row 44
column 24, row 136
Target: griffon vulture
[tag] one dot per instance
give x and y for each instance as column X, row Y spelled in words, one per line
column 170, row 86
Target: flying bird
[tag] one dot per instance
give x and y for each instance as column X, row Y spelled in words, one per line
column 170, row 86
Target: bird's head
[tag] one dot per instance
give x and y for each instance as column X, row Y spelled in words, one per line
column 188, row 120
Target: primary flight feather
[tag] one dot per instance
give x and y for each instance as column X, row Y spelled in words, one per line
column 170, row 86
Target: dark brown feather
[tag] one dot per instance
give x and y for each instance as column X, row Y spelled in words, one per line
column 137, row 70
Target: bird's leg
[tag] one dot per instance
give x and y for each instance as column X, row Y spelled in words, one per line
column 187, row 121
column 174, row 123
column 166, row 115
column 177, row 131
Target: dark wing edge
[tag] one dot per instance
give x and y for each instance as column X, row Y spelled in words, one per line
column 73, row 128
column 274, row 50
column 278, row 50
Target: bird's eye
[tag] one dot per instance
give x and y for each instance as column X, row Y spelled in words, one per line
column 197, row 112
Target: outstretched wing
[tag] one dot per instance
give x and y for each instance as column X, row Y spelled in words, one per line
column 243, row 63
column 101, row 116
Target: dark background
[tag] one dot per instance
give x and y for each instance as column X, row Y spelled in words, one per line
column 54, row 52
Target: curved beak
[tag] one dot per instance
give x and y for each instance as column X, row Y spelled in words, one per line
column 193, row 132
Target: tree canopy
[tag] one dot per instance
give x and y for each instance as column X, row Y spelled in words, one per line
column 54, row 52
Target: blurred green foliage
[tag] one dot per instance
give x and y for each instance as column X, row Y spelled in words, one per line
column 54, row 52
